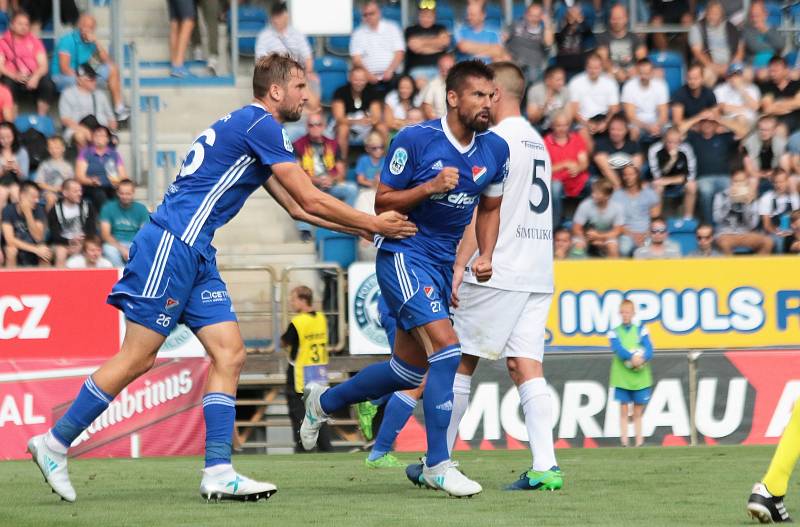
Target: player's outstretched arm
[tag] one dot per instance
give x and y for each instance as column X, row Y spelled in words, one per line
column 297, row 213
column 316, row 203
column 389, row 198
column 487, row 226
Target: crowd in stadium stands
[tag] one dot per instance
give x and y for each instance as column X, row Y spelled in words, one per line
column 642, row 158
column 662, row 144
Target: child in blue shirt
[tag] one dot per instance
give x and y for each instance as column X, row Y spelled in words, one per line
column 368, row 166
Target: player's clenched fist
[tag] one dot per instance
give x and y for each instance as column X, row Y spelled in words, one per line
column 394, row 225
column 445, row 181
column 482, row 268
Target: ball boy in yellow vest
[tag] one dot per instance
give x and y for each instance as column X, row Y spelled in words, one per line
column 307, row 340
column 631, row 375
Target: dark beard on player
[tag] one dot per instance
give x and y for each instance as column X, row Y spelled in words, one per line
column 291, row 115
column 475, row 123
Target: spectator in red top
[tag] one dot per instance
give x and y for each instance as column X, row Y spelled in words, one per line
column 570, row 162
column 23, row 64
column 7, row 111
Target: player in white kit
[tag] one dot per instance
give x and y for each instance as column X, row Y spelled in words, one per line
column 505, row 317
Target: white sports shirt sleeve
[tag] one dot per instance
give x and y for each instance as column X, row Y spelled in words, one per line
column 523, row 256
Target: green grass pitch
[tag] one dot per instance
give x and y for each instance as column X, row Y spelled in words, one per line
column 608, row 486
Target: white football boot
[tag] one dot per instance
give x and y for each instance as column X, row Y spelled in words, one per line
column 446, row 476
column 312, row 422
column 53, row 466
column 230, row 485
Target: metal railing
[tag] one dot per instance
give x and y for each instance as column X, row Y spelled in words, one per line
column 276, row 288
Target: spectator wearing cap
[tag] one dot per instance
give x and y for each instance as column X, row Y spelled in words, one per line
column 83, row 108
column 737, row 97
column 618, row 47
column 594, row 97
column 426, row 42
column 776, row 207
column 529, row 39
column 761, row 42
column 477, row 40
column 645, row 99
column 598, row 222
column 716, row 43
column 736, row 218
column 182, row 19
column 548, row 98
column 693, row 98
column 573, row 41
column 717, row 153
column 781, row 96
column 434, row 94
column 673, row 167
column 569, row 159
column 639, row 204
column 615, row 150
column 99, row 168
column 704, row 234
column 377, row 46
column 23, row 64
column 357, row 107
column 658, row 245
column 80, row 46
column 765, row 151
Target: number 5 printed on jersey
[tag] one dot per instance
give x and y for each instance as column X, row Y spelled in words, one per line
column 544, row 193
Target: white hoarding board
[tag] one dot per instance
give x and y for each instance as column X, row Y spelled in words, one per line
column 366, row 334
column 322, row 17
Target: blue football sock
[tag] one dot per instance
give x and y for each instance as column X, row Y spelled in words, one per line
column 395, row 416
column 87, row 406
column 372, row 382
column 381, row 400
column 438, row 401
column 219, row 411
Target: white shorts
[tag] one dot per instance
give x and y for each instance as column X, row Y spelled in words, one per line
column 496, row 324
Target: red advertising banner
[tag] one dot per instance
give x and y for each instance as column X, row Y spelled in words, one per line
column 52, row 314
column 159, row 414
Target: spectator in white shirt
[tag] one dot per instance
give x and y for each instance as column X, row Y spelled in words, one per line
column 645, row 99
column 90, row 257
column 775, row 208
column 738, row 98
column 594, row 97
column 279, row 37
column 378, row 46
column 434, row 103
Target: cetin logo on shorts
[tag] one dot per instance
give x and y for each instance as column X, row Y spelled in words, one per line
column 366, row 311
column 209, row 297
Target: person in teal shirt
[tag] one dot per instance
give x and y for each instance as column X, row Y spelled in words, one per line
column 120, row 220
column 631, row 374
column 80, row 46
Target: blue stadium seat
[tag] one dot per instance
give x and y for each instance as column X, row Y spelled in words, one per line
column 339, row 46
column 332, row 73
column 336, row 247
column 683, row 232
column 518, row 11
column 393, row 13
column 494, row 15
column 446, row 16
column 672, row 64
column 42, row 124
column 774, row 14
column 791, row 58
column 252, row 19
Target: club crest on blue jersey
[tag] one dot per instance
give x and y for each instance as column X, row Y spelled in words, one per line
column 430, row 292
column 171, row 302
column 477, row 173
column 398, row 162
column 287, row 143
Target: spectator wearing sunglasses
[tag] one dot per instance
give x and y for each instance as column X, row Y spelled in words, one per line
column 659, row 245
column 368, row 166
column 705, row 242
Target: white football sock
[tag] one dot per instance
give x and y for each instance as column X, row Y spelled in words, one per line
column 537, row 405
column 461, row 389
column 54, row 444
column 216, row 470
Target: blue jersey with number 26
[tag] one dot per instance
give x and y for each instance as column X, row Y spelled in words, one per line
column 226, row 164
column 417, row 154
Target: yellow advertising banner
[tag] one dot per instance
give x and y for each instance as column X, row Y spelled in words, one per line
column 728, row 303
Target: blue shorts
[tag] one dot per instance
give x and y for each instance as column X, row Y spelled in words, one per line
column 633, row 396
column 166, row 282
column 388, row 323
column 416, row 293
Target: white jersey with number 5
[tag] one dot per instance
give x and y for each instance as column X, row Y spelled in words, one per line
column 523, row 256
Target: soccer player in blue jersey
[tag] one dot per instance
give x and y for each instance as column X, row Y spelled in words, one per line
column 438, row 172
column 171, row 276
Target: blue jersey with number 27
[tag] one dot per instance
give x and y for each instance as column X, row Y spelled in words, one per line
column 226, row 164
column 417, row 154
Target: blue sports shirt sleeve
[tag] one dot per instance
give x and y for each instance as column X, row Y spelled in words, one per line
column 647, row 345
column 617, row 347
column 398, row 169
column 270, row 142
